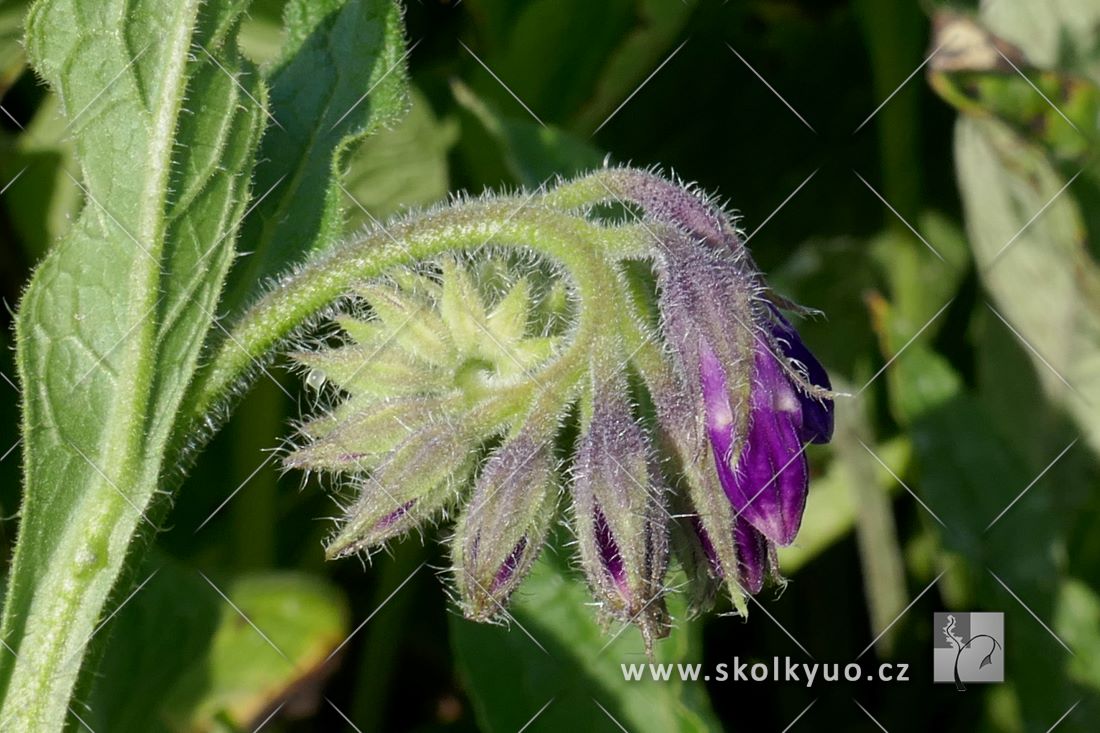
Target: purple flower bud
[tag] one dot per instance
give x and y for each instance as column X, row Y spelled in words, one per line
column 761, row 396
column 670, row 203
column 620, row 517
column 610, row 557
column 817, row 413
column 442, row 359
column 416, row 482
column 505, row 524
column 753, row 554
column 767, row 479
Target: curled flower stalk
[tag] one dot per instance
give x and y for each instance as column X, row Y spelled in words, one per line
column 497, row 364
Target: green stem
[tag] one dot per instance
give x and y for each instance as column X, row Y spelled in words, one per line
column 582, row 248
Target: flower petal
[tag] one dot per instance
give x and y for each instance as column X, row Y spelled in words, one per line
column 611, row 558
column 752, row 556
column 716, row 404
column 817, row 414
column 768, row 485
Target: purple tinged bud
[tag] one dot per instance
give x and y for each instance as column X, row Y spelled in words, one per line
column 415, row 482
column 507, row 571
column 708, row 547
column 610, row 557
column 393, row 517
column 760, row 395
column 768, row 480
column 505, row 524
column 620, row 517
column 670, row 203
column 704, row 544
column 752, row 556
column 738, row 396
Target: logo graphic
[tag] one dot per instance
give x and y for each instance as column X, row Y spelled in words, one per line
column 968, row 647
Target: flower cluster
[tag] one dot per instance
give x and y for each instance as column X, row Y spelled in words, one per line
column 669, row 410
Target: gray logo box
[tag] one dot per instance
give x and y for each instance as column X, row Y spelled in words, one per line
column 968, row 647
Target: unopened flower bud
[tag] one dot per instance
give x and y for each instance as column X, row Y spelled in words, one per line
column 619, row 512
column 505, row 523
column 416, row 482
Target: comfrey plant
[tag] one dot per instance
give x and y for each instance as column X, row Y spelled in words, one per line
column 606, row 345
column 459, row 372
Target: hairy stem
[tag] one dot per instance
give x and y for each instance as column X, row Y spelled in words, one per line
column 583, row 249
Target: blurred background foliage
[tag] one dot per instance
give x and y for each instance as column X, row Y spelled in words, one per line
column 943, row 216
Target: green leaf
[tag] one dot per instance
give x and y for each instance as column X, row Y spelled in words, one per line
column 403, row 167
column 1004, row 182
column 1059, row 33
column 43, row 201
column 511, row 678
column 110, row 328
column 531, row 153
column 342, row 77
column 261, row 37
column 214, row 667
column 1010, row 169
column 141, row 662
column 245, row 676
column 986, row 76
column 1077, row 621
column 12, row 60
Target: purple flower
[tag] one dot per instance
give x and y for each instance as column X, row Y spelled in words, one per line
column 817, row 413
column 692, row 417
column 759, row 396
column 766, row 480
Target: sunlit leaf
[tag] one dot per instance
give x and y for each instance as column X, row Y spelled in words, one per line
column 215, row 667
column 111, row 325
column 335, row 53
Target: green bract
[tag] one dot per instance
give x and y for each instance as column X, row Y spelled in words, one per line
column 427, row 374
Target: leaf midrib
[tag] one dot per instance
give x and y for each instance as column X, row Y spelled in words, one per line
column 123, row 448
column 126, row 456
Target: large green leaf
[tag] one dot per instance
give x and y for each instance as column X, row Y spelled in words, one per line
column 1044, row 281
column 1028, row 189
column 572, row 668
column 111, row 325
column 214, row 667
column 341, row 78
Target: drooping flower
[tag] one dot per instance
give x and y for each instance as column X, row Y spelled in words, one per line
column 459, row 383
column 744, row 373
